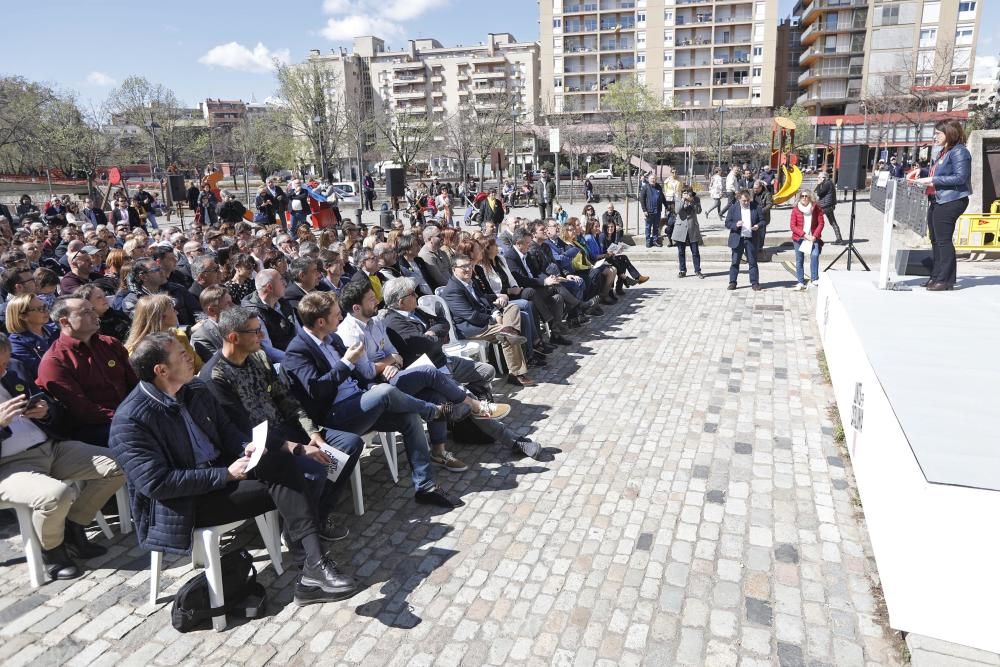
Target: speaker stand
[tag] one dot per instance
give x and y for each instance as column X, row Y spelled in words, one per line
column 849, row 249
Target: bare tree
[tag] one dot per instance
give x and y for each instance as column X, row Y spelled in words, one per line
column 154, row 109
column 402, row 136
column 458, row 133
column 635, row 120
column 312, row 107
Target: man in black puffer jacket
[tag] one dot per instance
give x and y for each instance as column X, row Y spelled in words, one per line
column 186, row 467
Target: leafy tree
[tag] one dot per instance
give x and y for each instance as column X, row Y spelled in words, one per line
column 636, row 120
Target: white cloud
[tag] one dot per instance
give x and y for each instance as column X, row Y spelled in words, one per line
column 383, row 18
column 347, row 28
column 986, row 68
column 236, row 56
column 100, row 79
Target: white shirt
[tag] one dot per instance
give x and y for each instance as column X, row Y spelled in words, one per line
column 25, row 434
column 746, row 222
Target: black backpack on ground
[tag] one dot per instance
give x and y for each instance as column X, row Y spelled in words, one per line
column 245, row 598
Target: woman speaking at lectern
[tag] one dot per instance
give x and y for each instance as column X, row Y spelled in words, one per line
column 948, row 188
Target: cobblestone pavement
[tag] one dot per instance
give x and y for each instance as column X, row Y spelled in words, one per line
column 696, row 512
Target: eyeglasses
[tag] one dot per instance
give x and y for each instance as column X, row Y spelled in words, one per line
column 255, row 332
column 462, row 267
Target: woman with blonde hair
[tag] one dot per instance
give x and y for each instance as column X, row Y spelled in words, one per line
column 807, row 226
column 31, row 333
column 155, row 313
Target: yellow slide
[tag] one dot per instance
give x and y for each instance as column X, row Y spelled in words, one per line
column 792, row 180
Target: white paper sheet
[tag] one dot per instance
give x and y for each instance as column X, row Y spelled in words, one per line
column 258, row 441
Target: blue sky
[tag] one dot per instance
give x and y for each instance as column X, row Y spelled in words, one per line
column 224, row 49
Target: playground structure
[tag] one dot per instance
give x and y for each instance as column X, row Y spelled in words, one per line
column 784, row 160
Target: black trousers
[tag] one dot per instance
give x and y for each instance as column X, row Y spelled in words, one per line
column 941, row 219
column 832, row 219
column 276, row 482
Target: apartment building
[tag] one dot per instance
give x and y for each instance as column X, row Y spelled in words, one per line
column 434, row 82
column 855, row 49
column 787, row 67
column 692, row 54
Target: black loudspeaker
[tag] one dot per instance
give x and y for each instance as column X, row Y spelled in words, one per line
column 914, row 262
column 177, row 190
column 395, row 182
column 853, row 172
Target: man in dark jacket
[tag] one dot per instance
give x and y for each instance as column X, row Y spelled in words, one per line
column 305, row 277
column 826, row 199
column 491, row 209
column 743, row 222
column 38, row 467
column 187, row 468
column 276, row 314
column 232, row 209
column 545, row 195
column 653, row 203
column 334, row 393
column 192, row 196
column 764, row 200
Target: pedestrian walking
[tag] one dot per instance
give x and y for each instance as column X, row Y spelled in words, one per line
column 743, row 223
column 826, row 198
column 715, row 186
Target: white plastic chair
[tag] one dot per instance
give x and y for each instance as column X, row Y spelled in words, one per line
column 32, row 546
column 205, row 550
column 124, row 515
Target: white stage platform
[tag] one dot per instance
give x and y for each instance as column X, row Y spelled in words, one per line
column 915, row 376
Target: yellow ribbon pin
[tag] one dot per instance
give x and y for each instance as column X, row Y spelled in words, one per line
column 111, row 363
column 19, row 387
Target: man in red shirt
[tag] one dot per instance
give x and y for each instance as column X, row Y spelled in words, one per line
column 89, row 373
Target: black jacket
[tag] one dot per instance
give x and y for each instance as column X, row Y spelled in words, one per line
column 280, row 323
column 150, row 441
column 314, row 382
column 408, row 336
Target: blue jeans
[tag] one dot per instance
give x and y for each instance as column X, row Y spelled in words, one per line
column 298, row 218
column 151, row 219
column 800, row 260
column 682, row 257
column 385, row 408
column 652, row 228
column 430, row 384
column 528, row 329
column 747, row 246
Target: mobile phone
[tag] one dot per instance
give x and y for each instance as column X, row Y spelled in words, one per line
column 34, row 400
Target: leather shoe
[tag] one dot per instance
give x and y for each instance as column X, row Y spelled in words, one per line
column 559, row 339
column 512, row 335
column 755, row 287
column 521, row 380
column 59, row 564
column 435, row 496
column 732, row 286
column 642, row 279
column 547, row 348
column 939, row 287
column 327, row 579
column 77, row 543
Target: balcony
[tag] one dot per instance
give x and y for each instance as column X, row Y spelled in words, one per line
column 624, row 24
column 627, row 45
column 579, row 8
column 613, row 6
column 407, row 79
column 814, row 31
column 412, row 110
column 489, row 75
column 818, row 7
column 586, row 26
column 814, row 52
column 817, row 73
column 409, row 94
column 609, row 66
column 399, row 67
column 580, row 48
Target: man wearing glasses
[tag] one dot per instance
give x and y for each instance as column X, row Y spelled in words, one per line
column 87, row 372
column 476, row 319
column 81, row 269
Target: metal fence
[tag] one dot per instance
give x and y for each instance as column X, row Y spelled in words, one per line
column 911, row 204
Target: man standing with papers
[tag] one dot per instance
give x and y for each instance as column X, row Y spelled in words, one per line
column 246, row 384
column 186, row 466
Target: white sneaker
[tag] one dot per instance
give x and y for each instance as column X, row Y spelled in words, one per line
column 814, row 283
column 800, row 287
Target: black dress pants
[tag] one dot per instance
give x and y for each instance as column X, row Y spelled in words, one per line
column 941, row 219
column 276, row 482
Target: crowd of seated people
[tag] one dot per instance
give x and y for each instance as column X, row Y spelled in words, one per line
column 149, row 356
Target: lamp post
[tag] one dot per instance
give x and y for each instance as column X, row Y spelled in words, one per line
column 153, row 127
column 513, row 142
column 836, row 154
column 687, row 151
column 318, row 122
column 722, row 112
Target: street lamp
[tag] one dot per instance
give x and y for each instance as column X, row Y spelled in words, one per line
column 153, row 127
column 513, row 141
column 687, row 151
column 722, row 111
column 836, row 154
column 318, row 122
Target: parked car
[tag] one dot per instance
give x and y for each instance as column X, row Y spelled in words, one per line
column 565, row 173
column 600, row 174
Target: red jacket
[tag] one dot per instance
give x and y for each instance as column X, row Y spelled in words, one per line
column 90, row 380
column 798, row 223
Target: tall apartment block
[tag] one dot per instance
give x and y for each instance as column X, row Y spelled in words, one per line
column 853, row 49
column 429, row 81
column 693, row 54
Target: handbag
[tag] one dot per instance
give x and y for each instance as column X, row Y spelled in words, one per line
column 244, row 597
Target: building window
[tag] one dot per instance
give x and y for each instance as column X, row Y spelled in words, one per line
column 668, row 16
column 640, row 17
column 963, row 36
column 922, row 80
column 755, row 93
column 928, row 37
column 969, row 6
column 640, row 58
column 557, row 23
column 640, row 39
column 959, row 79
column 558, row 82
column 890, row 15
column 932, row 12
column 668, row 58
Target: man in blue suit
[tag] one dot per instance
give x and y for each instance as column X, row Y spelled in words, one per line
column 744, row 225
column 653, row 202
